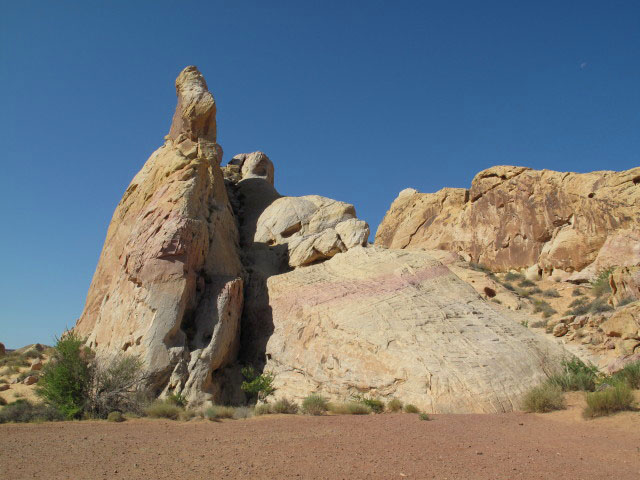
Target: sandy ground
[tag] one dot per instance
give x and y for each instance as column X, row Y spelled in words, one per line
column 509, row 446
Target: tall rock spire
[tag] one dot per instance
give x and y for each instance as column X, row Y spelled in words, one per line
column 195, row 115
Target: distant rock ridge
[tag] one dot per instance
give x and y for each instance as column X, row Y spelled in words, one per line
column 517, row 217
column 205, row 269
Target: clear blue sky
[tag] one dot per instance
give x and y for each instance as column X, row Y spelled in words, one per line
column 352, row 100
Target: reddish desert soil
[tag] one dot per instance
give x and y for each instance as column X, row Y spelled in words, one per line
column 509, row 446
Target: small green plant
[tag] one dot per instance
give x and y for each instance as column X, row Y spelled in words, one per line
column 394, row 405
column 575, row 376
column 284, row 405
column 551, row 293
column 614, row 399
column 163, row 409
column 478, row 267
column 256, row 385
column 600, row 285
column 217, row 412
column 512, row 277
column 540, row 305
column 349, row 408
column 522, row 292
column 22, row 411
column 410, row 408
column 66, row 379
column 374, row 404
column 188, row 414
column 543, row 398
column 177, row 399
column 630, row 375
column 524, row 323
column 424, row 416
column 116, row 417
column 508, row 286
column 315, row 404
column 525, row 282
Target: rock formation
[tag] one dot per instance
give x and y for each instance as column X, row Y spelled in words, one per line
column 168, row 285
column 207, row 268
column 516, row 217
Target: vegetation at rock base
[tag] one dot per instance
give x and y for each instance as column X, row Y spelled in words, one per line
column 394, row 405
column 410, row 408
column 315, row 404
column 116, row 417
column 163, row 409
column 610, row 400
column 424, row 416
column 600, row 285
column 285, row 405
column 630, row 375
column 543, row 398
column 256, row 385
column 217, row 412
column 376, row 406
column 543, row 306
column 22, row 411
column 349, row 408
column 575, row 376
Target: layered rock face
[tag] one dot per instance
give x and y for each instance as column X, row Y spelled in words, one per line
column 391, row 323
column 516, row 217
column 168, row 285
column 205, row 269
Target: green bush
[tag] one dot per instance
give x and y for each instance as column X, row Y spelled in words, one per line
column 600, row 305
column 522, row 292
column 508, row 286
column 186, row 415
column 217, row 412
column 424, row 416
column 256, row 385
column 394, row 405
column 540, row 305
column 115, row 417
column 614, row 399
column 66, row 379
column 551, row 293
column 177, row 399
column 600, row 285
column 478, row 267
column 526, row 283
column 409, row 408
column 349, row 408
column 314, row 404
column 575, row 376
column 163, row 409
column 284, row 406
column 242, row 412
column 22, row 411
column 512, row 277
column 374, row 404
column 630, row 375
column 543, row 398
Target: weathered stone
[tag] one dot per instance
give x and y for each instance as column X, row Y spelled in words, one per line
column 30, row 380
column 394, row 323
column 625, row 323
column 168, row 285
column 4, row 386
column 254, row 165
column 621, row 249
column 560, row 329
column 625, row 284
column 515, row 217
column 37, row 365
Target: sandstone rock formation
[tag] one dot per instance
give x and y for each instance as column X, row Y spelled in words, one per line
column 168, row 285
column 625, row 285
column 394, row 323
column 516, row 217
column 207, row 268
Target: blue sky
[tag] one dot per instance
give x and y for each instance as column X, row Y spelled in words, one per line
column 351, row 100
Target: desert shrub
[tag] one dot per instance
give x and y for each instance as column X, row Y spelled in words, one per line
column 495, row 300
column 314, row 404
column 600, row 305
column 525, row 282
column 512, row 277
column 187, row 414
column 66, row 380
column 410, row 408
column 256, row 385
column 3, row 402
column 14, row 360
column 177, row 399
column 115, row 417
column 630, row 375
column 614, row 399
column 576, row 293
column 262, row 409
column 394, row 405
column 242, row 412
column 478, row 267
column 116, row 386
column 424, row 416
column 508, row 286
column 543, row 398
column 24, row 411
column 538, row 324
column 374, row 404
column 522, row 292
column 578, row 302
column 31, row 354
column 535, row 291
column 217, row 412
column 284, row 405
column 575, row 376
column 600, row 285
column 540, row 305
column 625, row 301
column 163, row 409
column 551, row 293
column 349, row 408
column 524, row 323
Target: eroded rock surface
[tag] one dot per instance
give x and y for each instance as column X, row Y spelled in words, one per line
column 393, row 323
column 168, row 285
column 516, row 217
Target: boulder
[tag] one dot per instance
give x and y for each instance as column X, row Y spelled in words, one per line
column 625, row 284
column 168, row 286
column 392, row 323
column 516, row 217
column 625, row 323
column 560, row 329
column 621, row 249
column 36, row 366
column 4, row 386
column 30, row 380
